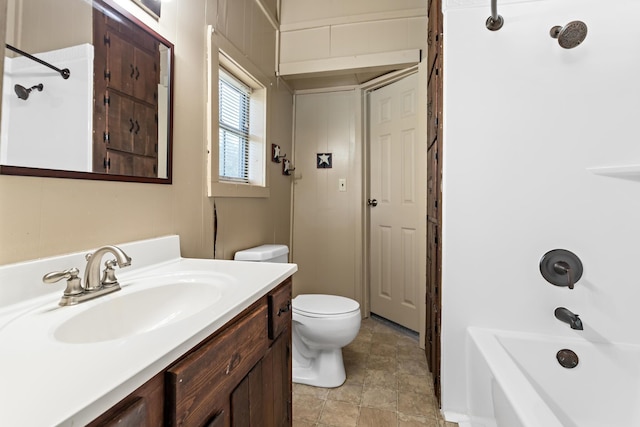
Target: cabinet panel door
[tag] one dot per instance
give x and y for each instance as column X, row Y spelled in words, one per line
column 201, row 383
column 121, row 123
column 120, row 63
column 147, row 67
column 145, row 130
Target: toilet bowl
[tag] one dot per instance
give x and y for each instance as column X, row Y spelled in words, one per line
column 321, row 326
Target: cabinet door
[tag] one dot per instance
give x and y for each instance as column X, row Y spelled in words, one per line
column 248, row 401
column 201, row 383
column 120, row 63
column 121, row 123
column 147, row 66
column 277, row 386
column 144, row 130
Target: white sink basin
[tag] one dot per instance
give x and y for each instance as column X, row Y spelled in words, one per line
column 132, row 311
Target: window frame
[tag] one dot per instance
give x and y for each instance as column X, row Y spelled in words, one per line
column 222, row 53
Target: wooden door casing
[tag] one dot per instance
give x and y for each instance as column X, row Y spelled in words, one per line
column 434, row 192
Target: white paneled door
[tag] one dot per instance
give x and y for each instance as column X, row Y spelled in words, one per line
column 396, row 165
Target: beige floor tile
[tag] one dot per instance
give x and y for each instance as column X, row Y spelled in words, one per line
column 413, row 421
column 387, row 350
column 307, row 408
column 381, row 378
column 413, row 367
column 319, row 392
column 350, row 393
column 371, row 417
column 339, row 414
column 384, row 338
column 411, row 353
column 380, row 398
column 359, row 347
column 382, row 363
column 416, row 404
column 388, row 384
column 406, row 341
column 415, row 384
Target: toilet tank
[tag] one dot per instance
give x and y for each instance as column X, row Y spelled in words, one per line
column 264, row 253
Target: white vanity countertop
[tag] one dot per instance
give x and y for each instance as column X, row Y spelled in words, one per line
column 49, row 382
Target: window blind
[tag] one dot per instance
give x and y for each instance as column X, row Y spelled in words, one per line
column 234, row 128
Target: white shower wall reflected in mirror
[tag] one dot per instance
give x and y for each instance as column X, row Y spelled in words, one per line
column 110, row 119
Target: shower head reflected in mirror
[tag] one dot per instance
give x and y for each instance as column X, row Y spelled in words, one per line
column 571, row 35
column 23, row 92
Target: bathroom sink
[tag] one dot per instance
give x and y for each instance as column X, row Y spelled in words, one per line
column 131, row 311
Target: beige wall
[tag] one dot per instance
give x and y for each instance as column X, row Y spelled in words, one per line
column 326, row 225
column 45, row 216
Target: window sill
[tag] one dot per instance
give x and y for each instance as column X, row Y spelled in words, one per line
column 230, row 189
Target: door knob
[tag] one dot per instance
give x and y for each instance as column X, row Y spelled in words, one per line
column 372, row 202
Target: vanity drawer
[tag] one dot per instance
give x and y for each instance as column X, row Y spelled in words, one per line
column 279, row 309
column 199, row 385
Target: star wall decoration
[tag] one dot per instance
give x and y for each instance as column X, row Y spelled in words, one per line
column 324, row 161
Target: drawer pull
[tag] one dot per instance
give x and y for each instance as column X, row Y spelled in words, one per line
column 285, row 309
column 235, row 361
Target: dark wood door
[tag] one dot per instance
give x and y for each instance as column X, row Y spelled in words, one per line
column 434, row 191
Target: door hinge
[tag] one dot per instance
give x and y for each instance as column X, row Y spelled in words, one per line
column 107, row 40
column 107, row 75
column 107, row 100
column 106, row 163
column 105, row 137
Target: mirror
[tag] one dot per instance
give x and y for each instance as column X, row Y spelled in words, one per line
column 111, row 119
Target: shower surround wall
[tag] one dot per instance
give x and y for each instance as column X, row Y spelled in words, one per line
column 26, row 132
column 524, row 120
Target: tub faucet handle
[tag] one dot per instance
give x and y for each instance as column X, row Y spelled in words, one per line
column 562, row 267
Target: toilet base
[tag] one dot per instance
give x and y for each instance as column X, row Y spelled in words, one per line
column 325, row 370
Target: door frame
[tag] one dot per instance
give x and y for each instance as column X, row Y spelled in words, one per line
column 364, row 91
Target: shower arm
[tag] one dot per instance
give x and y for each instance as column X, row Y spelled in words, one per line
column 495, row 21
column 65, row 73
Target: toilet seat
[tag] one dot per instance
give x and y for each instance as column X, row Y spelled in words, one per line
column 320, row 305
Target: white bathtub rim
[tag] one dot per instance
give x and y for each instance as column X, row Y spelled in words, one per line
column 530, row 407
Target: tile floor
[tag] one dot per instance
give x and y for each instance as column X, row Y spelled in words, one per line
column 388, row 385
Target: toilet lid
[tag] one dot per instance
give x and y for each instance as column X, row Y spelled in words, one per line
column 318, row 304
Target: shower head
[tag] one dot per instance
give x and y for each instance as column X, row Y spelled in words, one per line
column 23, row 92
column 571, row 35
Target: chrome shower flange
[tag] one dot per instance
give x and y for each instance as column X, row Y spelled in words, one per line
column 495, row 24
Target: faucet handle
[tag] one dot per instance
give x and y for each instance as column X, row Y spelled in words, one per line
column 74, row 286
column 109, row 274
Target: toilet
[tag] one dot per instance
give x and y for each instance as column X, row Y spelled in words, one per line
column 322, row 325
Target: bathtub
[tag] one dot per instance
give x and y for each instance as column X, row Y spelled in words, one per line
column 516, row 381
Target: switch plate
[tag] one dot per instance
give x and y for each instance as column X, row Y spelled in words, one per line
column 342, row 184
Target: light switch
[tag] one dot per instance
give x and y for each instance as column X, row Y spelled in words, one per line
column 342, row 184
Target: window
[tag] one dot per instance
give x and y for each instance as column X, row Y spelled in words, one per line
column 237, row 124
column 235, row 99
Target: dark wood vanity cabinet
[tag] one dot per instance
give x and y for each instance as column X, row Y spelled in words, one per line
column 239, row 376
column 126, row 77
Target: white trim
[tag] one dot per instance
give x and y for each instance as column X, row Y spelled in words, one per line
column 354, row 62
column 365, row 17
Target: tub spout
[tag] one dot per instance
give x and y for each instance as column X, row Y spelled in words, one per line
column 568, row 317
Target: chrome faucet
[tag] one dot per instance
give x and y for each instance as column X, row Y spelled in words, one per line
column 94, row 286
column 92, row 280
column 568, row 317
